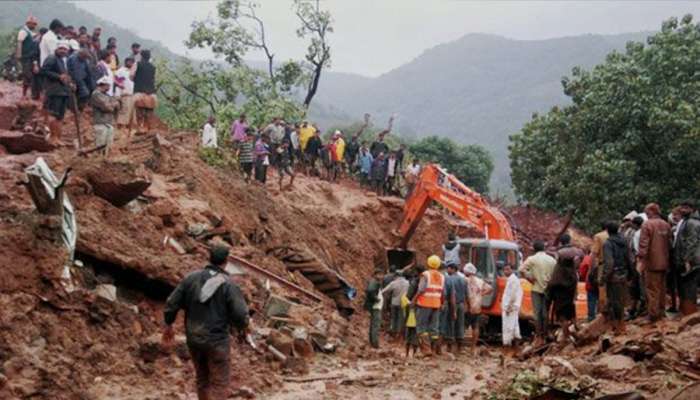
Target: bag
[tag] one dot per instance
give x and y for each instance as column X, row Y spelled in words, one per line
column 148, row 101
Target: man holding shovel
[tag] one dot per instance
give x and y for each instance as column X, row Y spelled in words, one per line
column 213, row 305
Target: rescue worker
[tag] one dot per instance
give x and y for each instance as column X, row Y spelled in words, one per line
column 373, row 304
column 213, row 305
column 428, row 300
column 653, row 260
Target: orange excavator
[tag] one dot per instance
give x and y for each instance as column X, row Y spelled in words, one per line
column 489, row 253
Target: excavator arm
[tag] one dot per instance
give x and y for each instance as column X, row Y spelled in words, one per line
column 435, row 184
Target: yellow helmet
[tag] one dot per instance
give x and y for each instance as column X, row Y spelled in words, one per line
column 434, row 262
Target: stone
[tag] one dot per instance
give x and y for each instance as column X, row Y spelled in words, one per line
column 610, row 365
column 303, row 347
column 277, row 306
column 281, row 342
column 106, row 291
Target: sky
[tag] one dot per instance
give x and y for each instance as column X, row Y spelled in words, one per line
column 374, row 36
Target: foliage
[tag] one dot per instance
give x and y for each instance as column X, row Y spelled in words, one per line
column 471, row 164
column 194, row 92
column 630, row 137
column 7, row 45
column 219, row 158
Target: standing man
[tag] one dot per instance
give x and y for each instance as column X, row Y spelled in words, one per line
column 538, row 269
column 284, row 164
column 378, row 146
column 81, row 73
column 411, row 175
column 246, row 157
column 456, row 293
column 477, row 288
column 510, row 307
column 398, row 288
column 58, row 87
column 144, row 90
column 306, row 131
column 614, row 275
column 213, row 305
column 104, row 107
column 597, row 260
column 373, row 304
column 125, row 92
column 429, row 299
column 653, row 260
column 49, row 42
column 262, row 158
column 136, row 52
column 561, row 289
column 96, row 43
column 450, row 250
column 687, row 256
column 585, row 275
column 238, row 131
column 27, row 54
column 378, row 174
column 209, row 133
column 365, row 161
column 391, row 171
column 312, row 147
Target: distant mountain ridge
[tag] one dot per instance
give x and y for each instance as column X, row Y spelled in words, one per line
column 478, row 89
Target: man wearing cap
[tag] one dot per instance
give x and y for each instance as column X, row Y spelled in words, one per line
column 213, row 306
column 58, row 86
column 428, row 300
column 653, row 260
column 477, row 288
column 104, row 107
column 27, row 54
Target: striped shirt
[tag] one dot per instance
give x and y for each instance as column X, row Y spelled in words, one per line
column 246, row 154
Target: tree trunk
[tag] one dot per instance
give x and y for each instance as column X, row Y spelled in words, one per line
column 313, row 86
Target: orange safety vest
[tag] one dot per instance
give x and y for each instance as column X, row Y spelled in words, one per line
column 432, row 296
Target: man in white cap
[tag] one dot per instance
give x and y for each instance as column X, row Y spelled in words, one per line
column 27, row 54
column 58, row 86
column 477, row 289
column 104, row 108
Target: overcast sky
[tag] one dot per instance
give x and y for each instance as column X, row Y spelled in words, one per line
column 374, row 36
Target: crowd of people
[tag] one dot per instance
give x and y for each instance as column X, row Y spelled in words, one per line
column 290, row 148
column 632, row 270
column 71, row 69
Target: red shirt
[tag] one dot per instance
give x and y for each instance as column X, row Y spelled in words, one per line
column 583, row 270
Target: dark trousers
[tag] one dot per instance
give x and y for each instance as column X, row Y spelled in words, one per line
column 260, row 171
column 213, row 371
column 375, row 323
column 397, row 319
column 615, row 301
column 655, row 285
column 592, row 303
column 455, row 327
column 540, row 309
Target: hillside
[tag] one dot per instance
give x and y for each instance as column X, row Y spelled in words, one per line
column 478, row 89
column 14, row 13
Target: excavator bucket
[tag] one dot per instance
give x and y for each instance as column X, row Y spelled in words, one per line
column 400, row 257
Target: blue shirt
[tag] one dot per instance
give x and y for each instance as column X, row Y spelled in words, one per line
column 366, row 160
column 457, row 284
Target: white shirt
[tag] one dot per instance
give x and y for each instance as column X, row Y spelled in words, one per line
column 391, row 167
column 123, row 74
column 209, row 136
column 294, row 137
column 48, row 45
column 414, row 169
column 109, row 76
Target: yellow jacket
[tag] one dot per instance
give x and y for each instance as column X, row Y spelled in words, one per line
column 304, row 135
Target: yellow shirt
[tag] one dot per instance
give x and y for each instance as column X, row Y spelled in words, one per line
column 304, row 135
column 340, row 148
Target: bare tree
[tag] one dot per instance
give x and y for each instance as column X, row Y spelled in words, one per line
column 317, row 24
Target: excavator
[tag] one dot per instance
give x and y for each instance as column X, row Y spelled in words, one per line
column 489, row 253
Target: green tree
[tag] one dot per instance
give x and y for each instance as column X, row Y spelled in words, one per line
column 471, row 164
column 630, row 136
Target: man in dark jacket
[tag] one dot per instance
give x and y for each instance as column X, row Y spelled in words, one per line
column 213, row 305
column 378, row 173
column 614, row 276
column 373, row 304
column 561, row 288
column 687, row 256
column 653, row 260
column 81, row 73
column 58, row 86
column 144, row 90
column 313, row 147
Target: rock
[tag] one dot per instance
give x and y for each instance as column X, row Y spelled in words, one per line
column 689, row 320
column 544, row 372
column 281, row 342
column 20, row 143
column 610, row 365
column 106, row 291
column 277, row 306
column 303, row 347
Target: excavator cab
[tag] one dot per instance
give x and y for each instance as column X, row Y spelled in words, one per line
column 489, row 257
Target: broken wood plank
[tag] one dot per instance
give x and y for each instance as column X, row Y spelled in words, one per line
column 301, row 379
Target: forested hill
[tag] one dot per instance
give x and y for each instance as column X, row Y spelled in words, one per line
column 14, row 13
column 477, row 90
